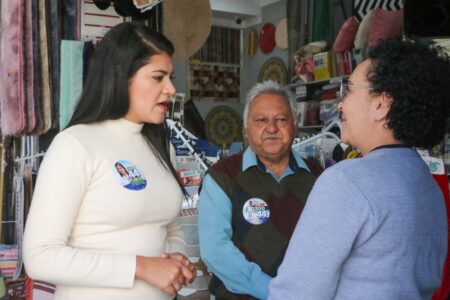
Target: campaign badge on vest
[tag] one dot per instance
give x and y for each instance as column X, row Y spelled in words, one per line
column 256, row 211
column 129, row 176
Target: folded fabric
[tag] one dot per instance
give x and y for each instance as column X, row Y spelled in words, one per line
column 8, row 259
column 29, row 67
column 321, row 30
column 71, row 79
column 36, row 70
column 12, row 67
column 385, row 24
column 346, row 35
column 55, row 37
column 45, row 71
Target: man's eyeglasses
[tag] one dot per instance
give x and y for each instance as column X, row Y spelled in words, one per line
column 343, row 90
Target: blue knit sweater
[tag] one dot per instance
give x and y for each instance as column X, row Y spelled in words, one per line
column 372, row 228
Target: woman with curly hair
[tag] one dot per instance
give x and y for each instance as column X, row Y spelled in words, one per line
column 376, row 227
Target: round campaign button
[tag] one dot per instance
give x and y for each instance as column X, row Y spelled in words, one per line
column 256, row 211
column 129, row 175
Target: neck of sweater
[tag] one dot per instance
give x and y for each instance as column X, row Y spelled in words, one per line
column 123, row 126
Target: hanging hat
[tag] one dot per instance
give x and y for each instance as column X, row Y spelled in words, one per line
column 187, row 25
column 102, row 4
column 267, row 38
column 281, row 36
column 126, row 8
column 252, row 37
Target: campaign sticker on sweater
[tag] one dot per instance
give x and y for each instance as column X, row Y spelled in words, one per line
column 129, row 175
column 256, row 211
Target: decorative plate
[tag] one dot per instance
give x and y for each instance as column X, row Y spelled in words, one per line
column 273, row 69
column 223, row 126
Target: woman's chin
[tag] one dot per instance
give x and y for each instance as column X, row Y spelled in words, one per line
column 157, row 119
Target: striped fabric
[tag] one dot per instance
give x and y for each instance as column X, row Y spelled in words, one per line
column 39, row 290
column 8, row 260
column 362, row 7
column 43, row 290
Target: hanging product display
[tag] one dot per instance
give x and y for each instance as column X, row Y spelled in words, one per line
column 223, row 126
column 187, row 138
column 252, row 37
column 281, row 36
column 266, row 39
column 273, row 69
column 362, row 7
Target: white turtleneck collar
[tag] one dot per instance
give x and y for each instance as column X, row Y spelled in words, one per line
column 124, row 125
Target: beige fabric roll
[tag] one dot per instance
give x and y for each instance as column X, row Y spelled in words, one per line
column 45, row 75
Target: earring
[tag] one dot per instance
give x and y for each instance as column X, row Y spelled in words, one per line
column 385, row 126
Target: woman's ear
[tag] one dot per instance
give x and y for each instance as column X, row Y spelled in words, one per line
column 382, row 106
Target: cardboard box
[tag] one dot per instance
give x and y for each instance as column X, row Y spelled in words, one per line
column 323, row 65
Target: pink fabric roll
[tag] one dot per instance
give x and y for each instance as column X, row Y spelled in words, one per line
column 12, row 67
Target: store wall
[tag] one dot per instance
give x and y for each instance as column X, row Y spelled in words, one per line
column 272, row 13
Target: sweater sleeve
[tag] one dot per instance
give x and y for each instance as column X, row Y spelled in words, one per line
column 63, row 179
column 217, row 250
column 333, row 216
column 175, row 237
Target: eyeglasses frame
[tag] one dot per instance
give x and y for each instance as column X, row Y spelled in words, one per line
column 347, row 84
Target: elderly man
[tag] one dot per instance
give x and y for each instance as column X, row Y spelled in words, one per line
column 250, row 202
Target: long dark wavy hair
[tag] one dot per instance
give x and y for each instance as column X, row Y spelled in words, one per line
column 121, row 53
column 416, row 74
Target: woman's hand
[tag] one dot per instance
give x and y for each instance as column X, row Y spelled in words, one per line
column 164, row 273
column 188, row 277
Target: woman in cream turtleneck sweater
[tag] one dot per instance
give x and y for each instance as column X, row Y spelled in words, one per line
column 93, row 234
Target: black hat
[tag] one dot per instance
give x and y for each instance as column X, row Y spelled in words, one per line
column 102, row 4
column 126, row 8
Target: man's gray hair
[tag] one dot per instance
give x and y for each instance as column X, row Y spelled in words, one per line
column 270, row 87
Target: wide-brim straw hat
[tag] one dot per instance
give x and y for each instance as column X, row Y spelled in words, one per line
column 187, row 24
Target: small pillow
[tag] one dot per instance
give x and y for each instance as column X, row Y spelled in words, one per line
column 385, row 24
column 362, row 35
column 346, row 35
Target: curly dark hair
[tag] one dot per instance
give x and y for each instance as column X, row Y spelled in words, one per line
column 416, row 75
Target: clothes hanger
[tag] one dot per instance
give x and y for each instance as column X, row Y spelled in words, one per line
column 325, row 133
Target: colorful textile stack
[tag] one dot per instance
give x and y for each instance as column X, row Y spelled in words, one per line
column 8, row 260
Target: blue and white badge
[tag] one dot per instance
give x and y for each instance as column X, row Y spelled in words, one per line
column 256, row 211
column 129, row 176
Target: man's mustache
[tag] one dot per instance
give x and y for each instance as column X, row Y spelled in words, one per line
column 272, row 137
